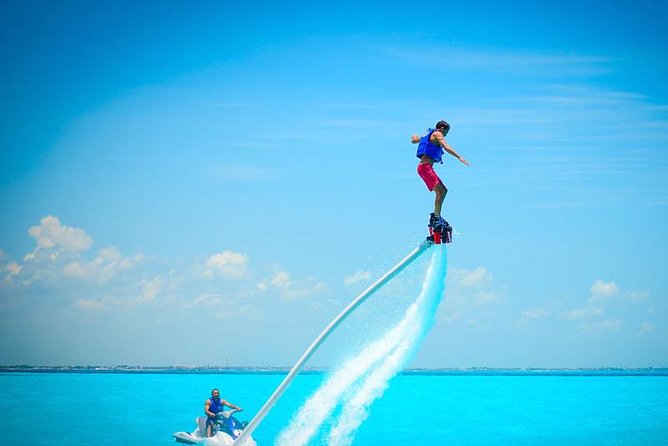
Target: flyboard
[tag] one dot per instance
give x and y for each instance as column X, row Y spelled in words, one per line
column 438, row 233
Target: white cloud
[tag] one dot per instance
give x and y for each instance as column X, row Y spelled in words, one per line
column 587, row 312
column 646, row 327
column 637, row 296
column 281, row 280
column 484, row 297
column 103, row 267
column 466, row 292
column 470, row 278
column 51, row 234
column 502, row 61
column 150, row 288
column 78, row 270
column 302, row 289
column 59, row 254
column 13, row 268
column 90, row 304
column 109, row 255
column 358, row 276
column 10, row 270
column 292, row 289
column 601, row 290
column 220, row 306
column 534, row 313
column 602, row 327
column 466, row 287
column 210, row 300
column 229, row 264
column 603, row 302
column 133, row 293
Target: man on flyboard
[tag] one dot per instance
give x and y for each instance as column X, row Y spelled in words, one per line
column 430, row 150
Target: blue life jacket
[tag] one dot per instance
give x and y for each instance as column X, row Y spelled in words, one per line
column 216, row 406
column 426, row 147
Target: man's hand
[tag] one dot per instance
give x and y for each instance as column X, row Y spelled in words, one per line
column 466, row 163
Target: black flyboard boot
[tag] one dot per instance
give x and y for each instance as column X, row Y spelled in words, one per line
column 439, row 230
column 447, row 233
column 435, row 228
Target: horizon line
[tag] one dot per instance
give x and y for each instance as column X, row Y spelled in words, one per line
column 268, row 370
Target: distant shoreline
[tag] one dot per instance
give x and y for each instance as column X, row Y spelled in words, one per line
column 474, row 371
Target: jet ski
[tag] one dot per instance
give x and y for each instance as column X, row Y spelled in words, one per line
column 226, row 430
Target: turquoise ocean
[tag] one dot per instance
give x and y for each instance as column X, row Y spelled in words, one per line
column 453, row 408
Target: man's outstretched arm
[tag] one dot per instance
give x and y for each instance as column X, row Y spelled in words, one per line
column 448, row 148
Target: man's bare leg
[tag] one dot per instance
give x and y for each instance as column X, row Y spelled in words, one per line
column 441, row 192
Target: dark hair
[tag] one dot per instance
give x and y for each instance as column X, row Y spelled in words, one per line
column 443, row 124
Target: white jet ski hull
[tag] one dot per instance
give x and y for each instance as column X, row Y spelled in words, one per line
column 220, row 439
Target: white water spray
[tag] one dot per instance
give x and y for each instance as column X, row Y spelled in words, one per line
column 356, row 384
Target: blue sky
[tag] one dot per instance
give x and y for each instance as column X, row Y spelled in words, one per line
column 174, row 172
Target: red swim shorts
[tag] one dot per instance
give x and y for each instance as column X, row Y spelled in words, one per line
column 427, row 173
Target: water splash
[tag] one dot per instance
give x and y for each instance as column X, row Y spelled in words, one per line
column 350, row 390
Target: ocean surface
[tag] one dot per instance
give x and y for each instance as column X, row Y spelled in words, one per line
column 579, row 408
